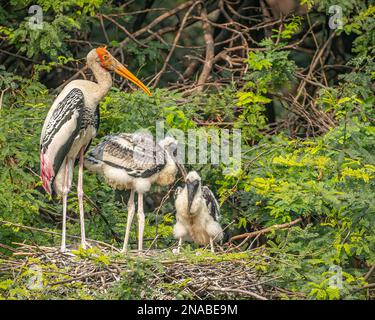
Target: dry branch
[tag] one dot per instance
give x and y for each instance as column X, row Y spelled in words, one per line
column 266, row 230
column 209, row 39
column 177, row 37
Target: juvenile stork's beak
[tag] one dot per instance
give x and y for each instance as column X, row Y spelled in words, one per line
column 192, row 188
column 111, row 63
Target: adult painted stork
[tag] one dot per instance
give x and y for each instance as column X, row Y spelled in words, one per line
column 134, row 161
column 71, row 124
column 197, row 213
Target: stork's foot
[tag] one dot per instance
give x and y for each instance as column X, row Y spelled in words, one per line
column 85, row 245
column 177, row 250
column 63, row 247
column 124, row 250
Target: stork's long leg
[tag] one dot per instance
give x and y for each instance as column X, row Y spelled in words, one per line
column 131, row 210
column 212, row 245
column 65, row 192
column 80, row 197
column 179, row 245
column 141, row 222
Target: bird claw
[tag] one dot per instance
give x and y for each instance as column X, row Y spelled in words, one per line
column 85, row 245
column 141, row 253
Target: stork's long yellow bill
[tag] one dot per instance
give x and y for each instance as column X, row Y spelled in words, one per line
column 122, row 71
column 110, row 63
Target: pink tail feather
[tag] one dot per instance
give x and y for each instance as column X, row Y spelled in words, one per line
column 46, row 173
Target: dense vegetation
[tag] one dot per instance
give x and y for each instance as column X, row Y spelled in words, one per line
column 301, row 93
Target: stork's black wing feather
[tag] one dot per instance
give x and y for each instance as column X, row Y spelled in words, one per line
column 96, row 124
column 61, row 131
column 211, row 202
column 136, row 153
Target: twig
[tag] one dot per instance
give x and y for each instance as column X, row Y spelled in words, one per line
column 265, row 230
column 4, row 222
column 209, row 39
column 369, row 273
column 177, row 37
column 155, row 22
column 242, row 292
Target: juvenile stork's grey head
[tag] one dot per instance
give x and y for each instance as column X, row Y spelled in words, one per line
column 169, row 144
column 193, row 185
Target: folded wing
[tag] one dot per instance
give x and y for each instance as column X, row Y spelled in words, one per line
column 62, row 129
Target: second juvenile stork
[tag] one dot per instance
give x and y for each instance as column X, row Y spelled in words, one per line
column 197, row 213
column 135, row 162
column 71, row 124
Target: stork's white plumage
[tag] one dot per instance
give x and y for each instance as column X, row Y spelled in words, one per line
column 135, row 162
column 71, row 124
column 197, row 213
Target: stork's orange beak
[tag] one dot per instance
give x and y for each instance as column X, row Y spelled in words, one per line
column 110, row 63
column 125, row 73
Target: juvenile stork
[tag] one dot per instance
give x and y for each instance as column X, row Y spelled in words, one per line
column 197, row 213
column 71, row 124
column 135, row 162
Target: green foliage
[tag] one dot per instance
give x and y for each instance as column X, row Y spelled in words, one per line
column 269, row 71
column 56, row 25
column 38, row 280
column 133, row 284
column 327, row 180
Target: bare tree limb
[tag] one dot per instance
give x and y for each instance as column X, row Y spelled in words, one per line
column 209, row 39
column 266, row 230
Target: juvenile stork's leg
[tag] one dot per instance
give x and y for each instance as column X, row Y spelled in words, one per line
column 131, row 210
column 65, row 192
column 212, row 245
column 80, row 197
column 179, row 245
column 141, row 222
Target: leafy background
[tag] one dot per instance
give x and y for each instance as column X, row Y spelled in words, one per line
column 301, row 93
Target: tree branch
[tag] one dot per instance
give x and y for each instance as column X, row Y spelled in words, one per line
column 266, row 230
column 210, row 45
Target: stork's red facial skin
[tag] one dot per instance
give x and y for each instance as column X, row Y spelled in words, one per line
column 110, row 63
column 103, row 55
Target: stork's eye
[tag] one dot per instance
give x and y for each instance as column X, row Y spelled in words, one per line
column 175, row 152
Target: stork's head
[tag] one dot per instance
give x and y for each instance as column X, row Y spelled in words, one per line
column 102, row 57
column 169, row 144
column 193, row 184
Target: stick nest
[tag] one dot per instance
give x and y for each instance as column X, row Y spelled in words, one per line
column 97, row 271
